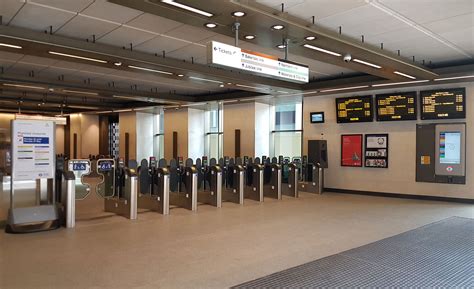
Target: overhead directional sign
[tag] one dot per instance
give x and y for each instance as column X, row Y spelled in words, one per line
column 230, row 56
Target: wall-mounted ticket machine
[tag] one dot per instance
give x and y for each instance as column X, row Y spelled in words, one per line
column 119, row 187
column 441, row 153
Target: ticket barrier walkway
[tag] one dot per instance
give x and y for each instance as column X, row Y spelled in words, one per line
column 253, row 188
column 183, row 184
column 272, row 179
column 289, row 179
column 233, row 181
column 153, row 187
column 118, row 188
column 209, row 182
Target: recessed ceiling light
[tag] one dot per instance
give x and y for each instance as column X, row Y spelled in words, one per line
column 345, row 88
column 188, row 8
column 205, row 79
column 150, row 70
column 249, row 37
column 453, row 78
column 77, row 56
column 210, row 25
column 278, row 27
column 10, row 46
column 322, row 50
column 80, row 92
column 180, row 75
column 238, row 14
column 23, row 86
column 281, row 46
column 404, row 74
column 221, row 85
column 398, row 83
column 310, row 38
column 366, row 63
column 118, row 63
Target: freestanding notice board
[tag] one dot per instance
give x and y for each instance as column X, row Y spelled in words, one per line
column 33, row 159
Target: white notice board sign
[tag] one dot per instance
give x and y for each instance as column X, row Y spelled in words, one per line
column 33, row 147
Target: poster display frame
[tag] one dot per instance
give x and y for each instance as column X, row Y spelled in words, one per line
column 359, row 147
column 378, row 152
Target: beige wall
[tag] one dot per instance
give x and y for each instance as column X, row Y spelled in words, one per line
column 176, row 120
column 239, row 116
column 59, row 139
column 400, row 176
column 87, row 129
column 75, row 128
column 128, row 124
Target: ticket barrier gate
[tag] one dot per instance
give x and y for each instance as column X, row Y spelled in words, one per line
column 313, row 179
column 233, row 184
column 183, row 185
column 289, row 184
column 119, row 187
column 272, row 179
column 209, row 183
column 154, row 187
column 253, row 188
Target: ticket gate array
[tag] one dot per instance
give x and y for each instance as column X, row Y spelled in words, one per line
column 209, row 182
column 312, row 177
column 153, row 187
column 272, row 179
column 289, row 179
column 233, row 180
column 118, row 188
column 253, row 188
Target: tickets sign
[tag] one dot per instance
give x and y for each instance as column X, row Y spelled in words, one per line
column 230, row 56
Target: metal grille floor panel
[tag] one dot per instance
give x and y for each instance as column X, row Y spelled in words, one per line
column 438, row 255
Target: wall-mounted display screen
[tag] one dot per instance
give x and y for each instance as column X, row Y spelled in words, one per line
column 317, row 117
column 354, row 109
column 396, row 106
column 450, row 148
column 443, row 103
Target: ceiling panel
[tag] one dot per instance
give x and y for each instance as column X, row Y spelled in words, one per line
column 463, row 38
column 29, row 59
column 84, row 27
column 154, row 23
column 423, row 11
column 10, row 55
column 111, row 12
column 8, row 8
column 123, row 36
column 76, row 5
column 23, row 69
column 160, row 43
column 186, row 53
column 40, row 18
column 190, row 33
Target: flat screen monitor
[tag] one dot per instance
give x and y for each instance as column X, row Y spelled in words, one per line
column 317, row 117
column 354, row 109
column 443, row 103
column 450, row 148
column 396, row 106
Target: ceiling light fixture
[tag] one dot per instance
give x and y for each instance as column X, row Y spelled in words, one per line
column 80, row 92
column 205, row 79
column 310, row 38
column 210, row 25
column 118, row 63
column 453, row 78
column 398, row 83
column 345, row 88
column 180, row 75
column 404, row 74
column 150, row 70
column 238, row 14
column 23, row 86
column 281, row 46
column 248, row 86
column 10, row 46
column 322, row 50
column 77, row 57
column 188, row 8
column 278, row 27
column 249, row 37
column 366, row 63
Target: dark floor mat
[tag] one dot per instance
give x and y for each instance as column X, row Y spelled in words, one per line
column 438, row 255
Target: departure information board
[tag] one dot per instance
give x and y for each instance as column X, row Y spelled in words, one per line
column 443, row 103
column 354, row 109
column 396, row 106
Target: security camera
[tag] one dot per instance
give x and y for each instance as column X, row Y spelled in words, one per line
column 347, row 58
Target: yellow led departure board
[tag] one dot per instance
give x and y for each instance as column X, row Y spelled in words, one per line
column 354, row 109
column 396, row 106
column 443, row 103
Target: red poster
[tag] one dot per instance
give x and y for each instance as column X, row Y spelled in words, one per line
column 351, row 150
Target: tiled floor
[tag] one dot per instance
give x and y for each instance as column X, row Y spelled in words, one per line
column 213, row 248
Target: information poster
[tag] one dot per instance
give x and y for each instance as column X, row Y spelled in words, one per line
column 32, row 149
column 351, row 150
column 376, row 150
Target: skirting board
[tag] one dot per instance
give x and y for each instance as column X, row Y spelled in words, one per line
column 401, row 196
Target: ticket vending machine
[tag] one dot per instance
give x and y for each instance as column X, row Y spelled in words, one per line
column 441, row 153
